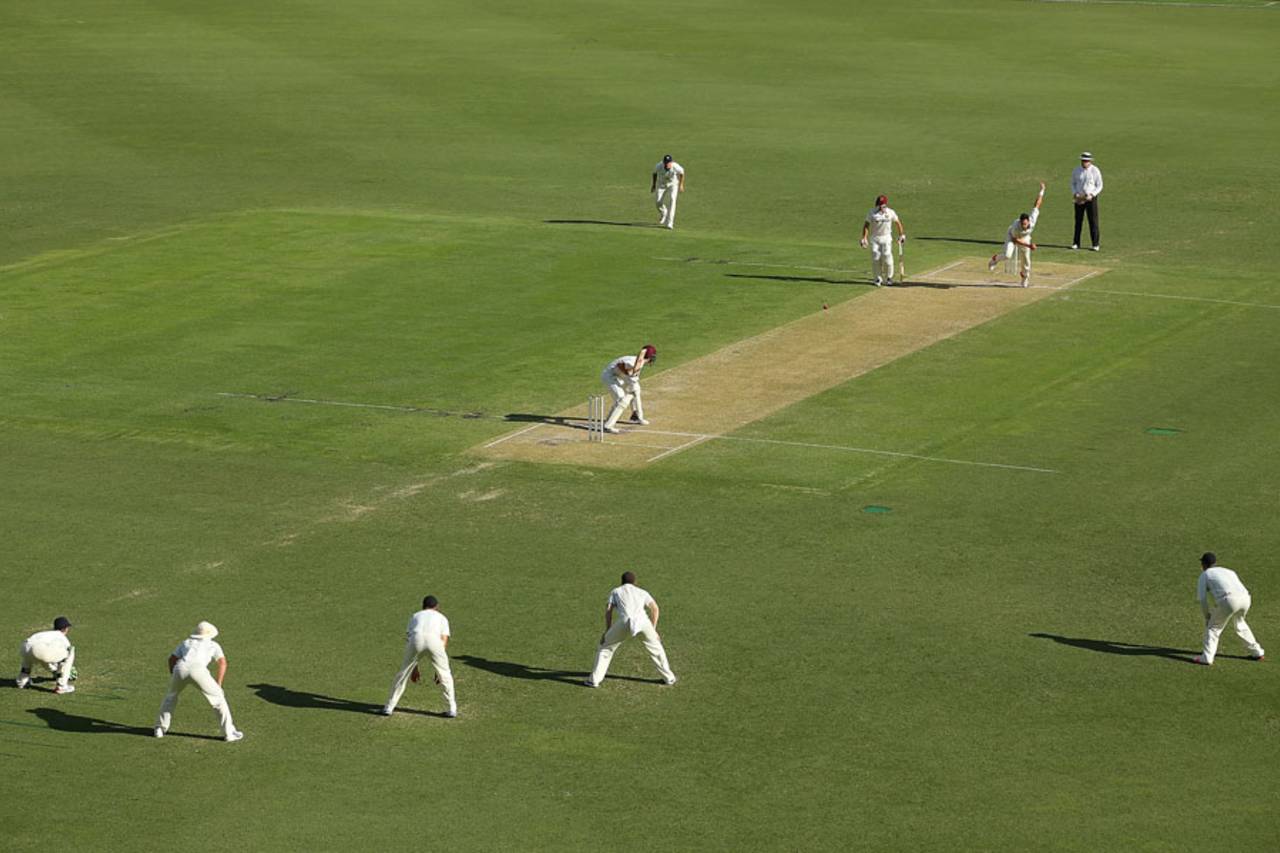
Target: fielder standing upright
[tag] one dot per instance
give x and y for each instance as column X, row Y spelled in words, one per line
column 1018, row 240
column 667, row 184
column 877, row 232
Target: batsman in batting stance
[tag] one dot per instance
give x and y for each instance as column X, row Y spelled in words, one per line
column 622, row 379
column 1018, row 239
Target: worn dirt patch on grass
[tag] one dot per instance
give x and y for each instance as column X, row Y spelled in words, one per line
column 753, row 378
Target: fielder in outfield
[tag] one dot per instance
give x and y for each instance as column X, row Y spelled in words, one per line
column 427, row 634
column 1231, row 602
column 189, row 664
column 1018, row 239
column 667, row 184
column 630, row 612
column 877, row 232
column 54, row 651
column 621, row 377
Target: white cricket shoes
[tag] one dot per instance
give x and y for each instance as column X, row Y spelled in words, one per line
column 612, row 430
column 23, row 681
column 234, row 736
column 65, row 688
column 991, row 264
column 158, row 732
column 879, row 281
column 640, row 421
column 1075, row 246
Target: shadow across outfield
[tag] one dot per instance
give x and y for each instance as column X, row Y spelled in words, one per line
column 600, row 222
column 63, row 722
column 813, row 278
column 509, row 669
column 283, row 696
column 986, row 242
column 1112, row 647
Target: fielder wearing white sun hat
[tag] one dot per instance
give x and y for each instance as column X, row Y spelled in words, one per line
column 204, row 631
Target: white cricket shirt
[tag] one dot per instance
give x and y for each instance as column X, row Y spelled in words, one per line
column 1016, row 231
column 49, row 646
column 1219, row 582
column 880, row 223
column 428, row 624
column 196, row 652
column 668, row 177
column 1086, row 180
column 628, row 602
column 611, row 373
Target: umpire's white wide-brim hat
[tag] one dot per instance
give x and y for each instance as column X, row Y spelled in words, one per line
column 1085, row 155
column 204, row 631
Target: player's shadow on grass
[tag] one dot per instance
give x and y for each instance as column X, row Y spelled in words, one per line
column 1111, row 647
column 813, row 278
column 508, row 669
column 63, row 722
column 987, row 242
column 283, row 696
column 600, row 222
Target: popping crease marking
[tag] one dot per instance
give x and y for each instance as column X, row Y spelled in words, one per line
column 699, row 437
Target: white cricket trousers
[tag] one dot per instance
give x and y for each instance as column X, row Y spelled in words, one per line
column 1231, row 610
column 619, row 632
column 623, row 394
column 59, row 666
column 665, row 199
column 882, row 258
column 1024, row 257
column 184, row 674
column 414, row 649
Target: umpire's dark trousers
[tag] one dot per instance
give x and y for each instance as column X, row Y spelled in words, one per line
column 1090, row 208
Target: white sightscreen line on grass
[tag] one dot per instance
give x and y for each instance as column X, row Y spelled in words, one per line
column 1172, row 3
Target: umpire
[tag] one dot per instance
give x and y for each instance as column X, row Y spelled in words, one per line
column 1086, row 186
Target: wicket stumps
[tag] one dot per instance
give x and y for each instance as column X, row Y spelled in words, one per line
column 595, row 417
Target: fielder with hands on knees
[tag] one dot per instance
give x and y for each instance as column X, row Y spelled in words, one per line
column 1018, row 239
column 53, row 649
column 1231, row 603
column 621, row 377
column 877, row 232
column 630, row 612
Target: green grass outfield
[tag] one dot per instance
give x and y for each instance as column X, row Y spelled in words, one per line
column 349, row 202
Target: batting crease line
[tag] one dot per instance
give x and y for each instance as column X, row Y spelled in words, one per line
column 530, row 428
column 678, row 448
column 708, row 436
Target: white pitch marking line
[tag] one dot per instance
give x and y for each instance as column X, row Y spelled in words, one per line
column 680, row 447
column 1159, row 3
column 510, row 436
column 941, row 269
column 846, row 448
column 321, row 402
column 1168, row 295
